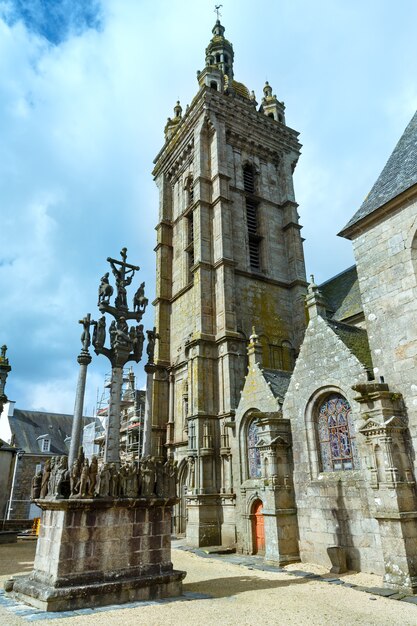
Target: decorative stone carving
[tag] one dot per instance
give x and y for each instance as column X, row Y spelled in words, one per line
column 148, row 479
column 36, row 485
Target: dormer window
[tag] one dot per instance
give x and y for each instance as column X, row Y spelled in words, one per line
column 44, row 442
column 213, row 85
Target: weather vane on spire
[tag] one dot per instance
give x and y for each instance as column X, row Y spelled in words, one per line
column 217, row 8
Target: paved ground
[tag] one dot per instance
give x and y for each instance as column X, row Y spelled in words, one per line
column 229, row 590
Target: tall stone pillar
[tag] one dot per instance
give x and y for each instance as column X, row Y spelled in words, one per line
column 147, row 428
column 84, row 359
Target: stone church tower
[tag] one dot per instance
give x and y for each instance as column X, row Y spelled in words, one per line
column 229, row 258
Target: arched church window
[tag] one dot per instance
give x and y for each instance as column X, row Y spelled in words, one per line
column 336, row 434
column 213, row 85
column 254, row 455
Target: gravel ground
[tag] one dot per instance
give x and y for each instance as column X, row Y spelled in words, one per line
column 239, row 596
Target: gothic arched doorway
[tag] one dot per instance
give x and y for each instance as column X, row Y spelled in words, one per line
column 258, row 528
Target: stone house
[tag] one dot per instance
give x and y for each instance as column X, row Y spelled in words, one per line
column 291, row 408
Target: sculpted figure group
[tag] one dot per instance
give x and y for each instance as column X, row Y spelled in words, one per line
column 146, row 479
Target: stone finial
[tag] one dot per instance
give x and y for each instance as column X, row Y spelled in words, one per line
column 315, row 301
column 178, row 110
column 254, row 349
column 267, row 90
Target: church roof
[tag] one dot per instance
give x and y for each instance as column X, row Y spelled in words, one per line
column 278, row 381
column 356, row 339
column 342, row 295
column 398, row 175
column 28, row 426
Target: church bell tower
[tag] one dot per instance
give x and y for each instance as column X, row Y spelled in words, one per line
column 229, row 257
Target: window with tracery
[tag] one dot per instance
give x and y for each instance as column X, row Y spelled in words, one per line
column 336, row 435
column 254, row 455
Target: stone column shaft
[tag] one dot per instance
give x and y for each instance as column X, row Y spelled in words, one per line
column 111, row 451
column 147, row 427
column 76, row 431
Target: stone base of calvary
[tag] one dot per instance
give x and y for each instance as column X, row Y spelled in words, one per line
column 105, row 535
column 104, row 550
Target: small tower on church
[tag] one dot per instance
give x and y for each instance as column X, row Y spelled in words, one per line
column 229, row 257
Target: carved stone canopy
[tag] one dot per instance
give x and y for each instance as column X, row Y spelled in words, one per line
column 393, row 424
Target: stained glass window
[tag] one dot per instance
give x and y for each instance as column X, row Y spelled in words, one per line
column 254, row 456
column 336, row 435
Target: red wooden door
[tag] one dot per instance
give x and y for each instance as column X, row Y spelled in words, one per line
column 258, row 528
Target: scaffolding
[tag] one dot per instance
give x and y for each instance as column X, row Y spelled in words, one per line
column 132, row 416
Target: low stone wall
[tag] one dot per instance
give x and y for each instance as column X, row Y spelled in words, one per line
column 101, row 551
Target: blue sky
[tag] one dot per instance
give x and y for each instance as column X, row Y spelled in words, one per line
column 85, row 90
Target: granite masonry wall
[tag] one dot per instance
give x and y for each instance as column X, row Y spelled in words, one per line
column 334, row 508
column 386, row 257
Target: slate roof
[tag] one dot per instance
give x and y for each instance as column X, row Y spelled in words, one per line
column 278, row 381
column 27, row 426
column 398, row 175
column 356, row 339
column 342, row 295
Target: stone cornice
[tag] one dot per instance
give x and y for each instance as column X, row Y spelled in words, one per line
column 272, row 138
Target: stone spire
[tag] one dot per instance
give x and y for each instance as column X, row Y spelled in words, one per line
column 315, row 302
column 219, row 52
column 218, row 71
column 271, row 106
column 172, row 124
column 254, row 349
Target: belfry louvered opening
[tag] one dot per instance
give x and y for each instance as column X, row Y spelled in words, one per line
column 248, row 178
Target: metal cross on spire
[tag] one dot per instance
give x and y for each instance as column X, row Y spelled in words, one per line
column 217, row 8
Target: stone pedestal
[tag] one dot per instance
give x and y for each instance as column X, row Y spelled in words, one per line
column 101, row 551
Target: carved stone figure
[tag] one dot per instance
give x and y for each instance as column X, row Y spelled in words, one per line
column 191, row 472
column 103, row 481
column 160, row 481
column 173, row 472
column 45, row 479
column 113, row 333
column 61, row 483
column 105, row 290
column 148, row 477
column 92, row 476
column 140, row 302
column 122, row 333
column 75, row 477
column 114, row 481
column 131, row 482
column 84, row 480
column 99, row 333
column 52, row 477
column 123, row 279
column 36, row 486
column 150, row 348
column 123, row 480
column 138, row 341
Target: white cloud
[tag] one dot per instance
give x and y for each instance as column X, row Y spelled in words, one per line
column 82, row 121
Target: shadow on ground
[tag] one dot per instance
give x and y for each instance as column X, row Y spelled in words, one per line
column 225, row 587
column 17, row 558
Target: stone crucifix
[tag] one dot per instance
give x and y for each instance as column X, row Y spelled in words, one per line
column 126, row 344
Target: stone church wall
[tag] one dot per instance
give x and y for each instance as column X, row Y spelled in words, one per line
column 386, row 256
column 334, row 508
